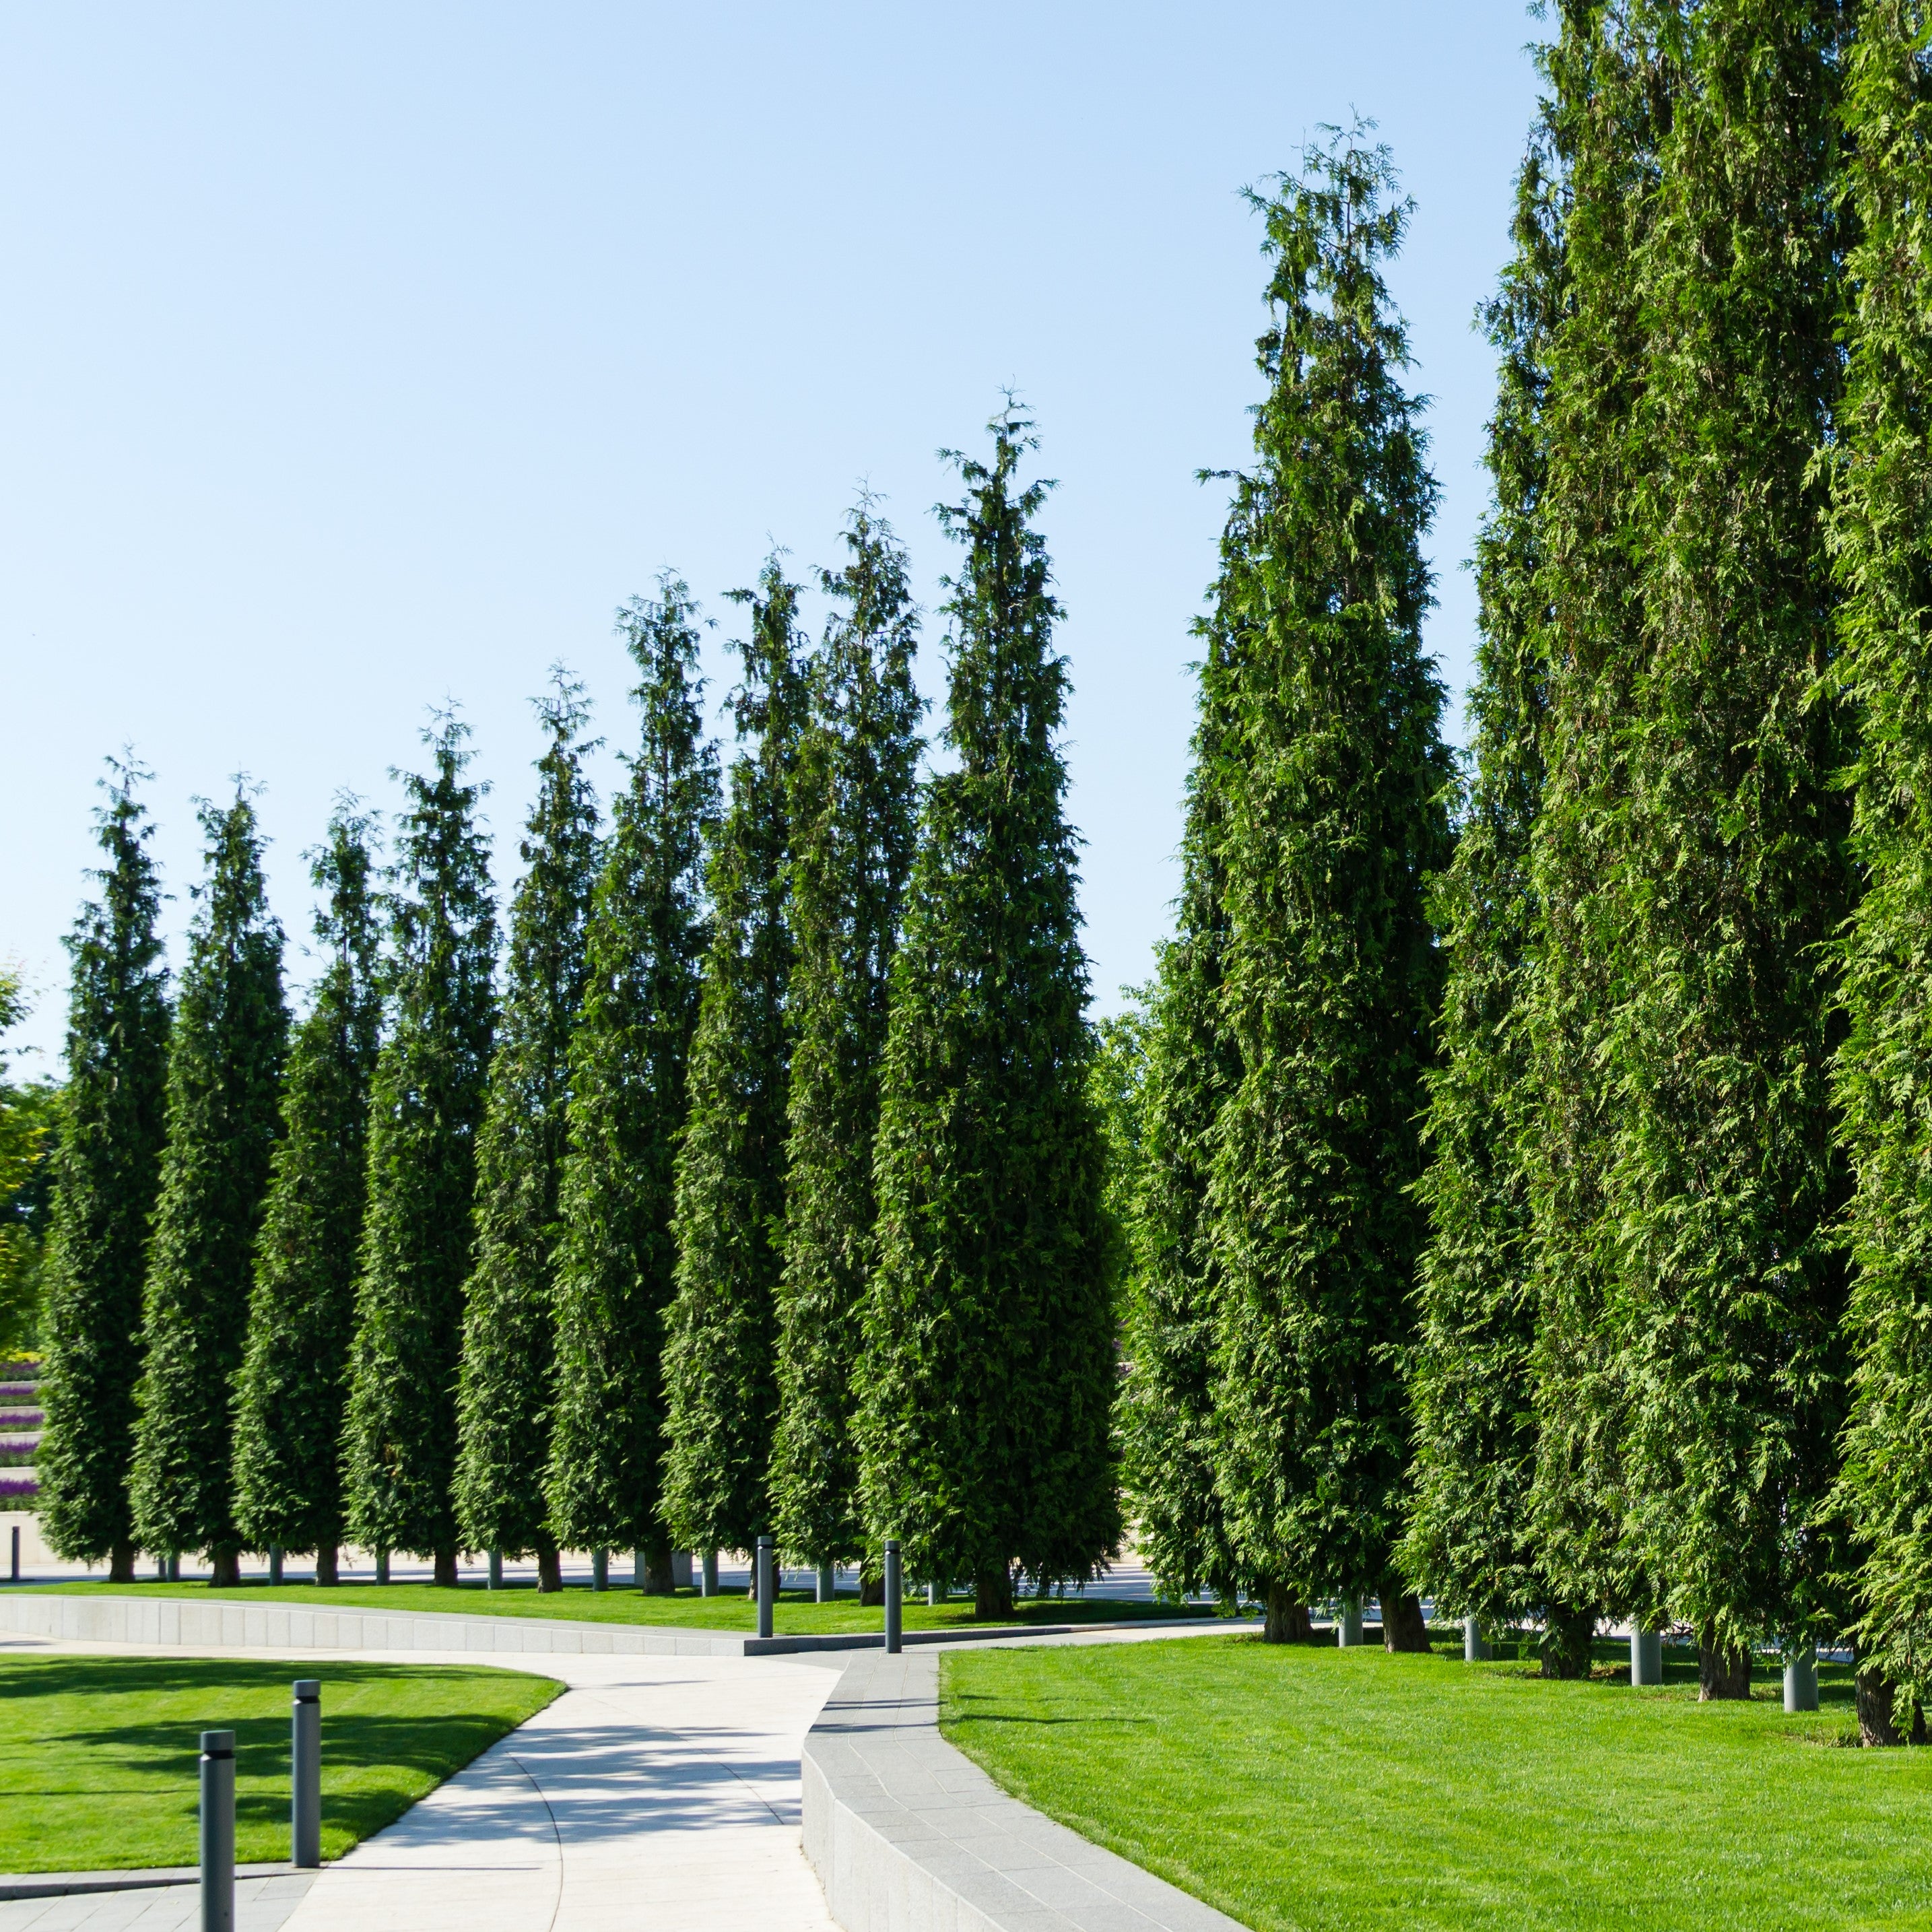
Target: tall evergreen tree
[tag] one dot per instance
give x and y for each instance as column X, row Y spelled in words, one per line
column 24, row 1137
column 853, row 826
column 988, row 1370
column 509, row 1318
column 425, row 1109
column 1882, row 534
column 225, row 1057
column 1335, row 820
column 107, row 1172
column 1691, row 857
column 629, row 1059
column 1471, row 1542
column 721, row 1378
column 294, row 1383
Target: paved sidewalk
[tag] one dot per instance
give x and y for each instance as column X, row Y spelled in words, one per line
column 653, row 1787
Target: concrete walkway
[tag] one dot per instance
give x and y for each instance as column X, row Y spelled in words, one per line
column 655, row 1789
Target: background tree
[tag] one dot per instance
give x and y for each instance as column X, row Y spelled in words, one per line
column 1882, row 531
column 510, row 1314
column 107, row 1172
column 853, row 827
column 989, row 1362
column 628, row 1063
column 426, row 1105
column 225, row 1055
column 27, row 1118
column 1334, row 821
column 720, row 1364
column 1471, row 1542
column 1690, row 858
column 294, row 1383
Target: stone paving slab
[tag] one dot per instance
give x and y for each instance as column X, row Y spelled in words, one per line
column 261, row 1905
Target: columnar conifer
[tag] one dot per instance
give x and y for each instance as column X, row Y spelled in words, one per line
column 1335, row 820
column 988, row 1369
column 107, row 1172
column 509, row 1318
column 1882, row 533
column 426, row 1107
column 1470, row 1541
column 294, row 1383
column 225, row 1055
column 852, row 830
column 628, row 1065
column 721, row 1381
column 1690, row 857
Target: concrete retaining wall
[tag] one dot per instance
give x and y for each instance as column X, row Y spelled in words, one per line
column 907, row 1835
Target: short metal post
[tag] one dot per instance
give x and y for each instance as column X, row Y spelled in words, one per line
column 275, row 1564
column 600, row 1569
column 16, row 1576
column 828, row 1583
column 935, row 1592
column 1646, row 1656
column 381, row 1566
column 1475, row 1647
column 1800, row 1680
column 217, row 1831
column 764, row 1580
column 496, row 1569
column 640, row 1570
column 174, row 1566
column 892, row 1591
column 305, row 1775
column 708, row 1575
column 1348, row 1624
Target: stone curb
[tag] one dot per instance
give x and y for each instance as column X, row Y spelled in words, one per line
column 142, row 1878
column 907, row 1835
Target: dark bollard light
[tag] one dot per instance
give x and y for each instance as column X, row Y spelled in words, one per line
column 274, row 1564
column 16, row 1576
column 381, row 1566
column 1646, row 1656
column 305, row 1775
column 765, row 1580
column 893, row 1591
column 600, row 1569
column 708, row 1575
column 1800, row 1680
column 1475, row 1647
column 496, row 1569
column 217, row 1831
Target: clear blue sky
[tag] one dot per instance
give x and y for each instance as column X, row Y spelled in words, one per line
column 359, row 357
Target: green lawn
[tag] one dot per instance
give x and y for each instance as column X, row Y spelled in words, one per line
column 1325, row 1790
column 98, row 1755
column 794, row 1614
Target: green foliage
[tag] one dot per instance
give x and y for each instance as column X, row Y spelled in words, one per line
column 1881, row 533
column 988, row 1369
column 426, row 1105
column 721, row 1381
column 1690, row 860
column 628, row 1061
column 1117, row 1080
column 853, row 828
column 1332, row 774
column 27, row 1118
column 107, row 1172
column 509, row 1317
column 1469, row 1542
column 294, row 1383
column 225, row 1056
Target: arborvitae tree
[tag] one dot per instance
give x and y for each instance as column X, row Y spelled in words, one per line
column 225, row 1057
column 24, row 1127
column 853, row 827
column 1691, row 859
column 628, row 1097
column 1882, row 534
column 510, row 1316
column 426, row 1105
column 106, row 1173
column 1334, row 777
column 720, row 1377
column 294, row 1383
column 988, row 1372
column 1470, row 1543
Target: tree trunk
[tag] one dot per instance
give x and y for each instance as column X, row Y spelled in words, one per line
column 1724, row 1671
column 658, row 1580
column 1878, row 1706
column 445, row 1573
column 550, row 1568
column 1566, row 1643
column 993, row 1592
column 1404, row 1627
column 871, row 1592
column 121, row 1563
column 1288, row 1621
column 326, row 1573
column 225, row 1569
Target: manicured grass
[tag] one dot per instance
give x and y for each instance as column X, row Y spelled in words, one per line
column 795, row 1614
column 99, row 1755
column 1351, row 1791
